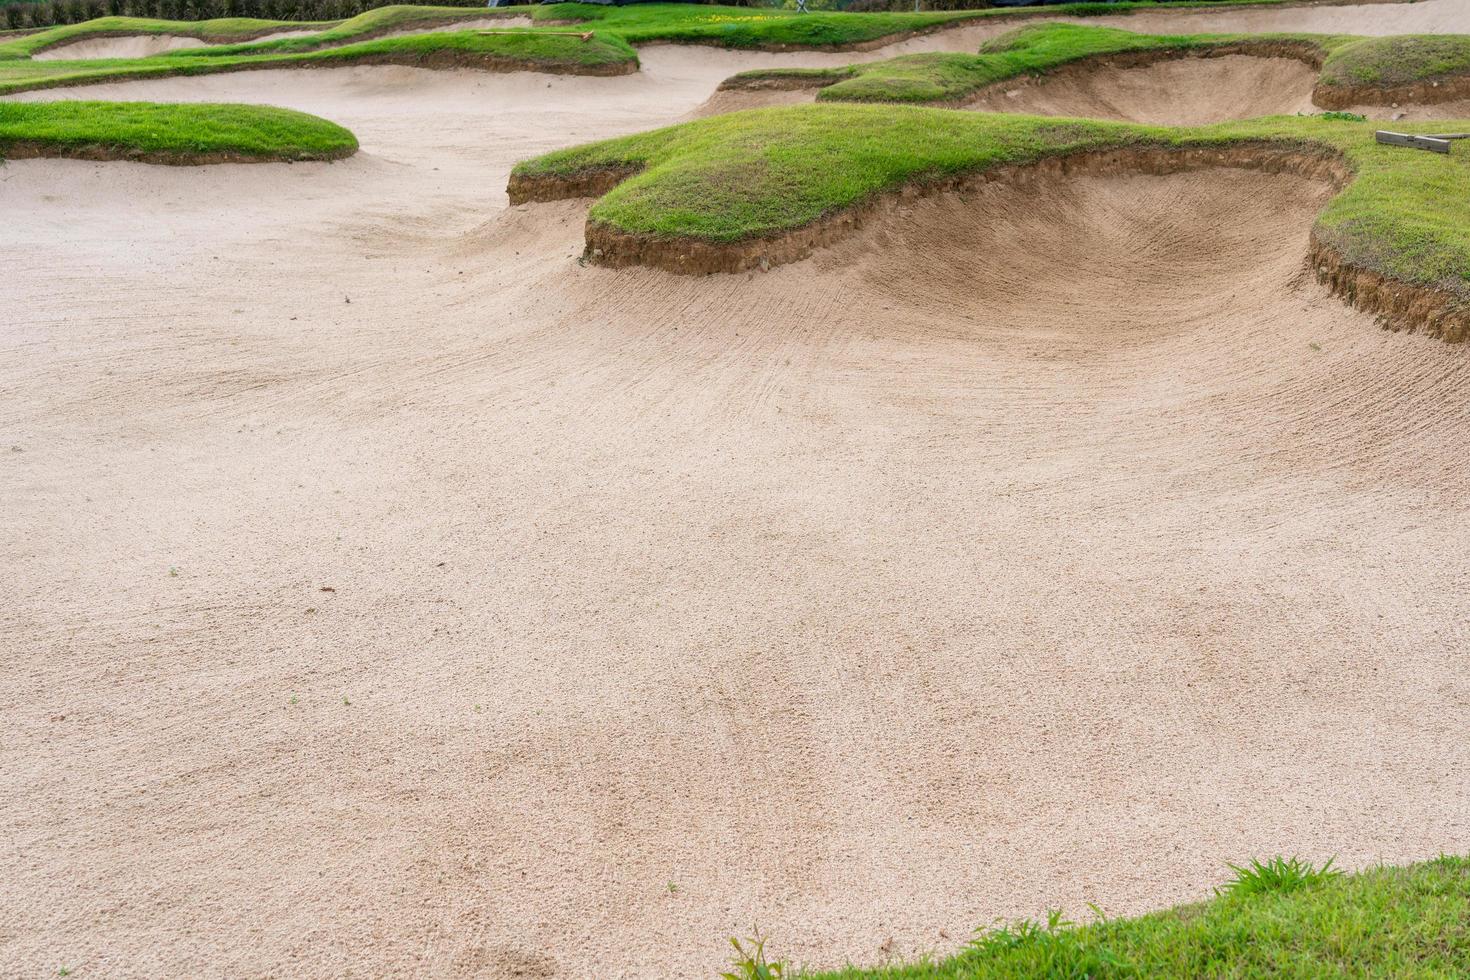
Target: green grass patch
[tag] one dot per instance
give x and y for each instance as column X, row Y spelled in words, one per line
column 1388, row 62
column 525, row 49
column 767, row 171
column 170, row 133
column 1385, row 922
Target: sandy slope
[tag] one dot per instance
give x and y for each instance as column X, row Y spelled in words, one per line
column 1186, row 92
column 1048, row 547
column 118, row 47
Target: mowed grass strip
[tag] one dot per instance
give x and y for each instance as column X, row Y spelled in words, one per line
column 169, row 133
column 1276, row 920
column 515, row 50
column 763, row 172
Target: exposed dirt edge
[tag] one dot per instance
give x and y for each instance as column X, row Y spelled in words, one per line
column 1427, row 92
column 1400, row 305
column 29, row 150
column 778, row 83
column 542, row 188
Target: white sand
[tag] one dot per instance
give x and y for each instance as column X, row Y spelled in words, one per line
column 1049, row 547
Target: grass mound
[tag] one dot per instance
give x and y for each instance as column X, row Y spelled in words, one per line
column 522, row 50
column 174, row 134
column 765, row 173
column 1278, row 919
column 1394, row 62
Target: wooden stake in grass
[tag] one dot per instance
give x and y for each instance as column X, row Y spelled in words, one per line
column 1433, row 142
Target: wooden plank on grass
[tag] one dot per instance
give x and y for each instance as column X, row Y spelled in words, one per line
column 1417, row 142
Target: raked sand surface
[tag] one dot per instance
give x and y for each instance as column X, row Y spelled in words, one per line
column 387, row 593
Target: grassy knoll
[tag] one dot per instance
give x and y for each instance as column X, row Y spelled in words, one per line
column 1280, row 920
column 514, row 51
column 222, row 30
column 179, row 134
column 761, row 173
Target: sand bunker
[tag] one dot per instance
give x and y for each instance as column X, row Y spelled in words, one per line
column 1178, row 92
column 1089, row 262
column 140, row 46
column 1045, row 549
